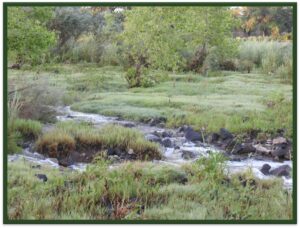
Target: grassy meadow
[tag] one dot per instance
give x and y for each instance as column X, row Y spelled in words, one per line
column 233, row 100
column 219, row 76
column 141, row 190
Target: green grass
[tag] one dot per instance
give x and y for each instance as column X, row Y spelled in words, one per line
column 237, row 102
column 84, row 138
column 29, row 129
column 143, row 190
column 21, row 130
column 233, row 100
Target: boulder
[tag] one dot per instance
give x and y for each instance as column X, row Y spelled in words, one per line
column 65, row 162
column 167, row 142
column 225, row 134
column 265, row 169
column 262, row 150
column 244, row 148
column 192, row 135
column 281, row 150
column 279, row 140
column 283, row 170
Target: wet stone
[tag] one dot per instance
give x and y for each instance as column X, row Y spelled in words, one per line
column 167, row 142
column 283, row 170
column 42, row 177
column 280, row 150
column 265, row 169
column 192, row 135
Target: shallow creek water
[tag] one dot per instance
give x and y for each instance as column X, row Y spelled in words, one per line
column 171, row 156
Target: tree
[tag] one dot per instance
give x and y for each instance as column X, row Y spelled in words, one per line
column 264, row 20
column 28, row 37
column 155, row 36
column 71, row 22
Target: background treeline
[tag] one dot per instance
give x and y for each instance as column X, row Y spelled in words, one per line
column 200, row 39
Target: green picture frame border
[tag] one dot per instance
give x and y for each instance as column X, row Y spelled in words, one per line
column 6, row 220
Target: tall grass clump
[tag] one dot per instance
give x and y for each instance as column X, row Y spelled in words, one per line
column 29, row 129
column 271, row 57
column 56, row 144
column 85, row 139
column 14, row 105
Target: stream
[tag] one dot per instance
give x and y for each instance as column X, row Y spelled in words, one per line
column 171, row 156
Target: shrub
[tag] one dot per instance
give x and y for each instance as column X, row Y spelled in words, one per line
column 228, row 65
column 132, row 77
column 139, row 78
column 147, row 82
column 160, row 76
column 212, row 60
column 37, row 99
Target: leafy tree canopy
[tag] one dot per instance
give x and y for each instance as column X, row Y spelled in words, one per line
column 160, row 33
column 28, row 36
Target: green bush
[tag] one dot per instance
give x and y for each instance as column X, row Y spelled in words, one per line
column 212, row 60
column 139, row 78
column 147, row 82
column 132, row 77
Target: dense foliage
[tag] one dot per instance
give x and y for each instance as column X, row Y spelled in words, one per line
column 28, row 36
column 200, row 39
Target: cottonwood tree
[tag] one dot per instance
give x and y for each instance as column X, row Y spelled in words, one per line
column 155, row 36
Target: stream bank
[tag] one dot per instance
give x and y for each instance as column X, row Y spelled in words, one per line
column 180, row 146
